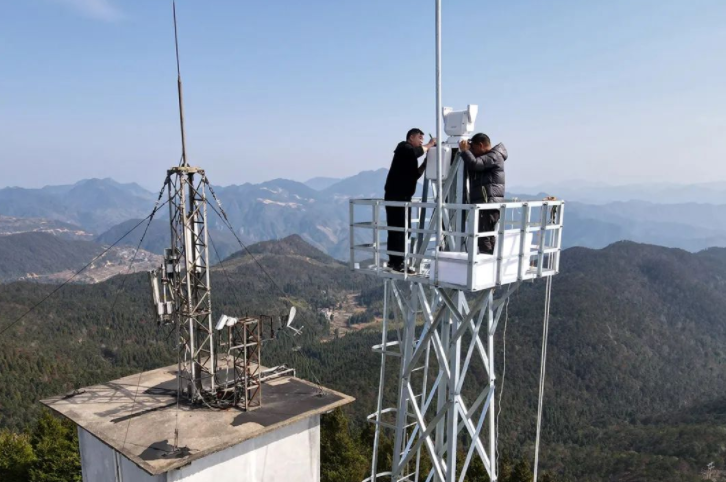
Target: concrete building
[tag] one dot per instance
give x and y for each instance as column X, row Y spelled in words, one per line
column 127, row 432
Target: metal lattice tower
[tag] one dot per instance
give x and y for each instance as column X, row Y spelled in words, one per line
column 219, row 365
column 187, row 276
column 440, row 321
column 441, row 331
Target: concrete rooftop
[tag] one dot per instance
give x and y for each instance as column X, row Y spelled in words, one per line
column 143, row 431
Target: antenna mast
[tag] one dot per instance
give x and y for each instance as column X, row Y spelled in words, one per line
column 179, row 91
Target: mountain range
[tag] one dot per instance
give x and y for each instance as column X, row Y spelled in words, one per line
column 659, row 193
column 102, row 210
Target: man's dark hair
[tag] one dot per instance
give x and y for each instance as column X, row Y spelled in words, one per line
column 414, row 132
column 481, row 138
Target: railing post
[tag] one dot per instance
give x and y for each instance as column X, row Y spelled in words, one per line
column 406, row 240
column 472, row 245
column 351, row 217
column 376, row 238
column 542, row 232
column 560, row 220
column 500, row 241
column 523, row 241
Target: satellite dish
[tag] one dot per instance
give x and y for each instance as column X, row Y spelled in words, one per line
column 291, row 316
column 222, row 322
column 290, row 319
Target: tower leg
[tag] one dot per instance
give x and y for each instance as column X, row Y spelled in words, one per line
column 454, row 337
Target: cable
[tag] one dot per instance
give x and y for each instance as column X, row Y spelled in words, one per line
column 133, row 405
column 224, row 217
column 138, row 246
column 543, row 361
column 71, row 278
column 226, row 274
column 504, row 372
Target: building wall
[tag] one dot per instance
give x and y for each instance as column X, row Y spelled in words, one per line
column 289, row 454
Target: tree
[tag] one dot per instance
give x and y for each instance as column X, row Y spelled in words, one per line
column 341, row 459
column 16, row 456
column 522, row 472
column 546, row 477
column 56, row 450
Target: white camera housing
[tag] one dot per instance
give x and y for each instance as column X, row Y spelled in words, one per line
column 460, row 123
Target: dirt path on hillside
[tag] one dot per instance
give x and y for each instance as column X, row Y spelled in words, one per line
column 339, row 317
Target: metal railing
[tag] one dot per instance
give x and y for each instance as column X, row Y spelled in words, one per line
column 528, row 242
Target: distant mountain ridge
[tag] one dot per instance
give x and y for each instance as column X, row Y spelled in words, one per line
column 318, row 212
column 93, row 204
column 660, row 193
column 320, row 183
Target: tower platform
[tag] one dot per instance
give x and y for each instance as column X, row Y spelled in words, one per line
column 127, row 429
column 528, row 242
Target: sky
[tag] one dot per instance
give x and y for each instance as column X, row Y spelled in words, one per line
column 617, row 92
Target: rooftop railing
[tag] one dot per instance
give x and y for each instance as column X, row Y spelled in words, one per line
column 528, row 242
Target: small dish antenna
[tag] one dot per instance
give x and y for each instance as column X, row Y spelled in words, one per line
column 290, row 318
column 222, row 322
column 225, row 320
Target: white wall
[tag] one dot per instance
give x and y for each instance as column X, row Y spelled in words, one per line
column 289, row 454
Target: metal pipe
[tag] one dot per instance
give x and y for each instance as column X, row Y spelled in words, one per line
column 179, row 91
column 439, row 150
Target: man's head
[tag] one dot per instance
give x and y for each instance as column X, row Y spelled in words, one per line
column 415, row 137
column 480, row 144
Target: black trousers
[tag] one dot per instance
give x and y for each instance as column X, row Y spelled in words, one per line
column 396, row 216
column 487, row 222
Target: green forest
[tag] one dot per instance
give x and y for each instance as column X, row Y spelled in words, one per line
column 636, row 370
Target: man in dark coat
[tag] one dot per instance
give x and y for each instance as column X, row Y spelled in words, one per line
column 401, row 186
column 485, row 165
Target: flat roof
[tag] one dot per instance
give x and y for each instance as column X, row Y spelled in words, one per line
column 136, row 415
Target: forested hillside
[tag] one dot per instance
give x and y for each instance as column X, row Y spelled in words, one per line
column 46, row 258
column 636, row 370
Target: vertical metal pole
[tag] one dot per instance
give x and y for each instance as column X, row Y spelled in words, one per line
column 439, row 135
column 179, row 91
column 204, row 258
column 459, row 216
column 189, row 269
column 376, row 237
column 424, row 389
column 351, row 234
column 441, row 396
column 452, row 417
column 492, row 379
column 381, row 383
column 409, row 333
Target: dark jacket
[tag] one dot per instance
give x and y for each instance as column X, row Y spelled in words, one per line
column 486, row 175
column 404, row 172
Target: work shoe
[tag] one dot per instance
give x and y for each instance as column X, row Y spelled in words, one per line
column 401, row 267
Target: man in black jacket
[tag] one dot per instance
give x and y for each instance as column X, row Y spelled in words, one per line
column 485, row 165
column 401, row 186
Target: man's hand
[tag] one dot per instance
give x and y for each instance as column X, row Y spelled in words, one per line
column 431, row 143
column 464, row 145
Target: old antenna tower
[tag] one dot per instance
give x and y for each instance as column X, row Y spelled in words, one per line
column 182, row 296
column 445, row 312
column 175, row 423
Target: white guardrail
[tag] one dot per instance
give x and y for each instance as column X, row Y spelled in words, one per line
column 528, row 242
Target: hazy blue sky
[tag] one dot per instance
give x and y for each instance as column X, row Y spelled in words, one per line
column 614, row 91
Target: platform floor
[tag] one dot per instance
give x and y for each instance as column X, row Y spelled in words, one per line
column 137, row 415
